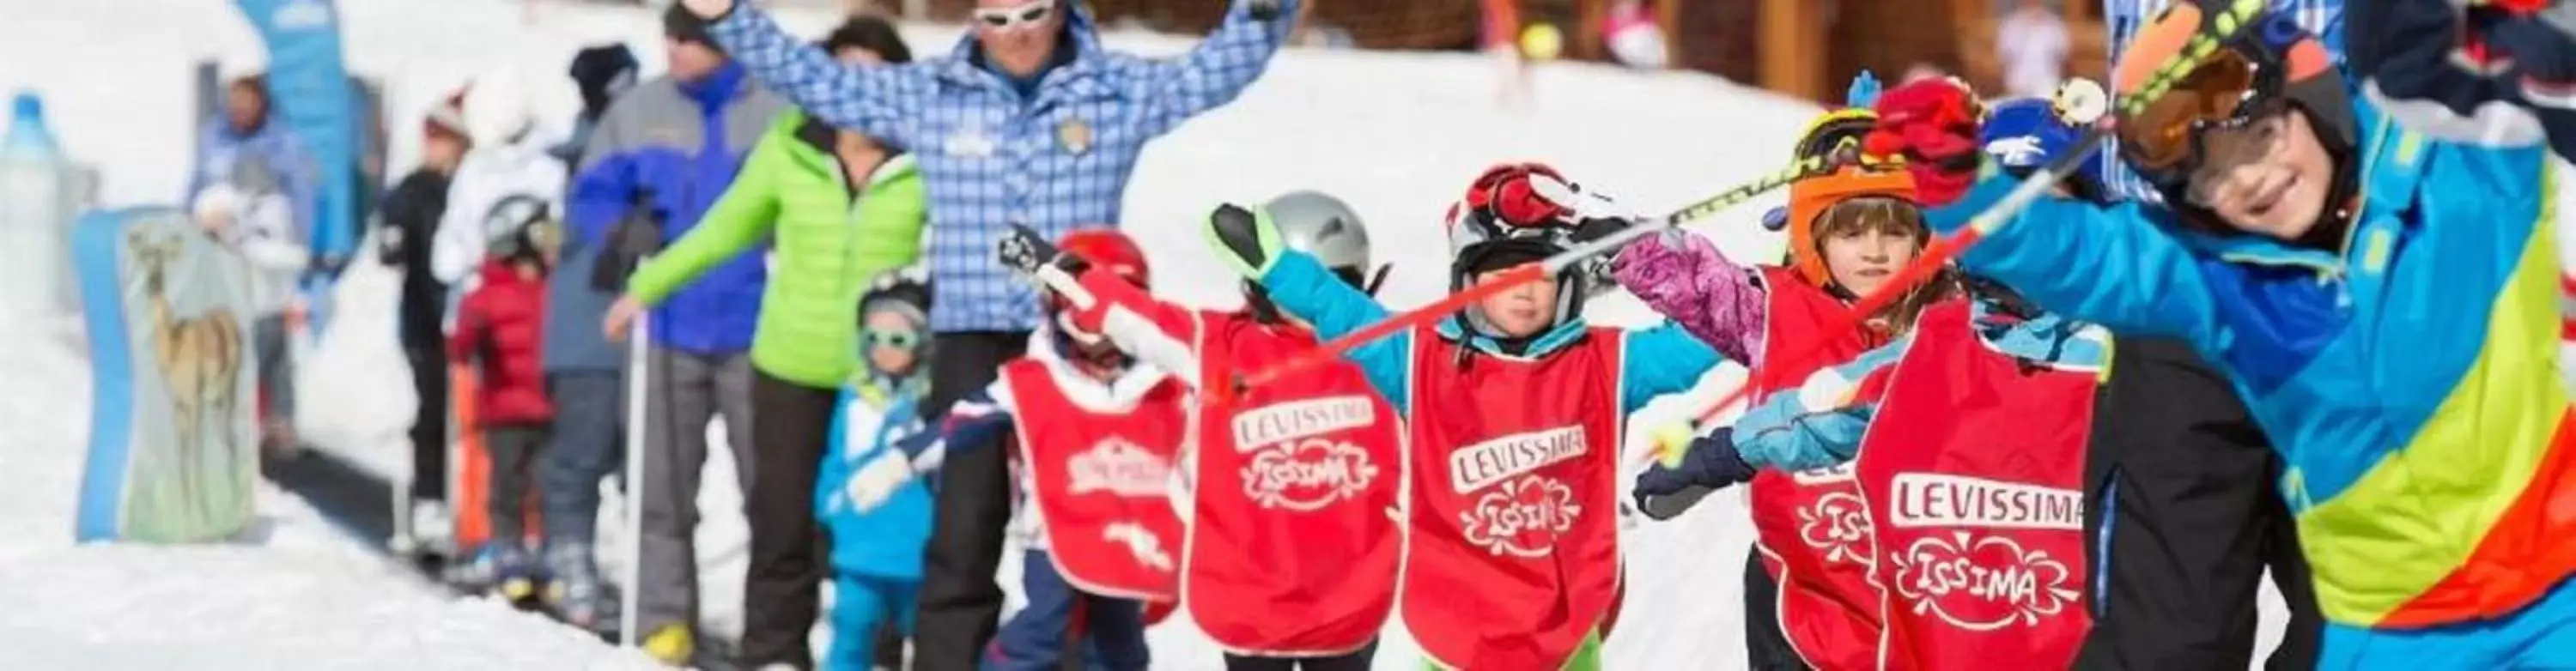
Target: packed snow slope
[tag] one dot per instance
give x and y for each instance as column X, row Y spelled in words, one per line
column 292, row 592
column 1397, row 135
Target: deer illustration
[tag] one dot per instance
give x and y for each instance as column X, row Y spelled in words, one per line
column 198, row 357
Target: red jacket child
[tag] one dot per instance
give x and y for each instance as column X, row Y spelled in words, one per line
column 1295, row 549
column 498, row 329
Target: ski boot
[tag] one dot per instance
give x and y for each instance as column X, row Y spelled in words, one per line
column 499, row 568
column 671, row 644
column 520, row 575
column 577, row 595
column 432, row 531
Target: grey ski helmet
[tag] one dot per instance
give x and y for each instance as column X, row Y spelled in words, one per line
column 1324, row 226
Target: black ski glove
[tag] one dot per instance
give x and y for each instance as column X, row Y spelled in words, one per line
column 1595, row 228
column 1245, row 238
column 1023, row 251
column 1709, row 465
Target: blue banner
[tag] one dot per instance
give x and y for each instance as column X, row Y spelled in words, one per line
column 311, row 89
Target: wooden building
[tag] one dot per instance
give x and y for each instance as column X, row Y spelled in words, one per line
column 1804, row 48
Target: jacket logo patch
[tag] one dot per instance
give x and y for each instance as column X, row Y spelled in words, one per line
column 1483, row 464
column 1141, row 543
column 1523, row 518
column 1074, row 134
column 1982, row 583
column 970, row 142
column 1838, row 525
column 1283, row 422
column 1308, row 475
column 1934, row 500
column 1120, row 467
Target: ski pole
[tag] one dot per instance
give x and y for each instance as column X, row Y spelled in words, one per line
column 2218, row 28
column 1532, row 272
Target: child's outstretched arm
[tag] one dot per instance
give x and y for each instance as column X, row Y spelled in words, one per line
column 978, row 421
column 1662, row 359
column 1681, row 275
column 1163, row 334
column 1300, row 286
column 2113, row 265
column 884, row 101
column 2490, row 73
column 1821, row 422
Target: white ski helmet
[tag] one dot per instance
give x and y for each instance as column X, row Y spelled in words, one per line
column 1319, row 224
column 498, row 108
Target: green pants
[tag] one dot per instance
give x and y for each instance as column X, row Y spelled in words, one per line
column 1587, row 657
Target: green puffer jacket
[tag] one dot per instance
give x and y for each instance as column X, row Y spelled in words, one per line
column 829, row 244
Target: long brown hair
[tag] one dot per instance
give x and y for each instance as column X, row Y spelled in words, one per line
column 1887, row 215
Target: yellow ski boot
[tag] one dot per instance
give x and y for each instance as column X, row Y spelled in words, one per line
column 670, row 644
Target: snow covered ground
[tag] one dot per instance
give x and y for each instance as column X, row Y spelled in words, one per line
column 292, row 592
column 1395, row 134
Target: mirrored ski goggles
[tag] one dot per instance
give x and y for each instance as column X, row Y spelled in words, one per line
column 1026, row 14
column 902, row 340
column 2227, row 89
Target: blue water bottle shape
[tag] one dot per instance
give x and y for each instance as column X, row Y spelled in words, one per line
column 37, row 199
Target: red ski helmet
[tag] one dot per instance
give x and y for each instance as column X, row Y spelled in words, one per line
column 1107, row 248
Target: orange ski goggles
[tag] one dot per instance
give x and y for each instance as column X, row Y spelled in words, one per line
column 2225, row 85
column 2227, row 89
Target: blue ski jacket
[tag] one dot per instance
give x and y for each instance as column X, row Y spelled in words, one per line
column 886, row 541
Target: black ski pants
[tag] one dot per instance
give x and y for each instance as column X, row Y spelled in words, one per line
column 960, row 603
column 781, row 592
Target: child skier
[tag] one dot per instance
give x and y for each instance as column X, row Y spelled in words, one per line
column 876, row 553
column 1953, row 393
column 1807, row 597
column 1291, row 556
column 1097, row 434
column 499, row 328
column 2385, row 302
column 1513, row 409
column 250, row 213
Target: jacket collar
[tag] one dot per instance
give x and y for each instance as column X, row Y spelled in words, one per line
column 717, row 88
column 1545, row 344
column 1077, row 59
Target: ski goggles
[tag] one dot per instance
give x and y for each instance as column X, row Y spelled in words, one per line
column 902, row 340
column 1023, row 15
column 1523, row 195
column 2227, row 90
column 2226, row 83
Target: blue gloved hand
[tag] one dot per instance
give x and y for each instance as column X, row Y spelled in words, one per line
column 1709, row 465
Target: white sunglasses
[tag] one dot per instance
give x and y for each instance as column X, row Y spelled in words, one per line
column 1008, row 18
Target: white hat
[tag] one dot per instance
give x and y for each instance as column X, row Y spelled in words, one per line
column 240, row 62
column 497, row 108
column 215, row 200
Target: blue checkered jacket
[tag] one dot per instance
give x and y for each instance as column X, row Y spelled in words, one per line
column 990, row 158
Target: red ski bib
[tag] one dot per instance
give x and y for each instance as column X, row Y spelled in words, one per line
column 1292, row 550
column 1974, row 468
column 1515, row 546
column 1103, row 482
column 1810, row 527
